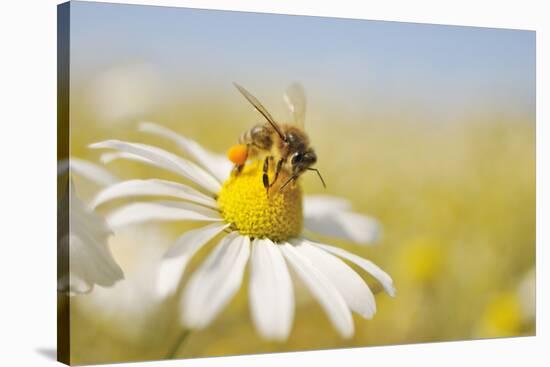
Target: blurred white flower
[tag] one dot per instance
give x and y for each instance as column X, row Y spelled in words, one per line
column 83, row 235
column 236, row 207
column 123, row 93
column 130, row 303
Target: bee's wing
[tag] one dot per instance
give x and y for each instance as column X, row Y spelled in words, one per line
column 295, row 98
column 261, row 109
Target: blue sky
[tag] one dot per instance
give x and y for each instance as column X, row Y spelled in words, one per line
column 387, row 63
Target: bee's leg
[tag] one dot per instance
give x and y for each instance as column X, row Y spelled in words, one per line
column 237, row 169
column 277, row 170
column 239, row 166
column 291, row 179
column 265, row 176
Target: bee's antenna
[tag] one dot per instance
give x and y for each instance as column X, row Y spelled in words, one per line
column 319, row 174
column 287, row 182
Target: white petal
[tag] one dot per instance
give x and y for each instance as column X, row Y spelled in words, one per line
column 90, row 258
column 72, row 282
column 216, row 164
column 152, row 187
column 82, row 243
column 86, row 169
column 166, row 160
column 365, row 264
column 176, row 258
column 92, row 262
column 330, row 217
column 322, row 289
column 160, row 211
column 324, row 204
column 271, row 294
column 106, row 158
column 85, row 221
column 355, row 291
column 217, row 280
column 78, row 286
column 68, row 282
column 92, row 172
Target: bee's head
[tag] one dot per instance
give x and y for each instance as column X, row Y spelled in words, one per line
column 302, row 160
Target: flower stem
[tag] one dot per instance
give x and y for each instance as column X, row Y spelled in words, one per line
column 177, row 345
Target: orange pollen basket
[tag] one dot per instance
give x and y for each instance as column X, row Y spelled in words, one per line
column 238, row 153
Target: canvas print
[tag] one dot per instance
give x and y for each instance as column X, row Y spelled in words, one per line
column 240, row 183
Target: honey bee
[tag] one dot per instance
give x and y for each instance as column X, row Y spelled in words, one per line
column 288, row 144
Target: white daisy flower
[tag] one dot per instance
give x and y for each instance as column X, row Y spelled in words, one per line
column 129, row 306
column 262, row 231
column 83, row 235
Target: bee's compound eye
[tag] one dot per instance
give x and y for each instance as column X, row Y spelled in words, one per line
column 238, row 153
column 296, row 157
column 310, row 157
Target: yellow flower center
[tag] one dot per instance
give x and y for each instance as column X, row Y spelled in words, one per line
column 244, row 202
